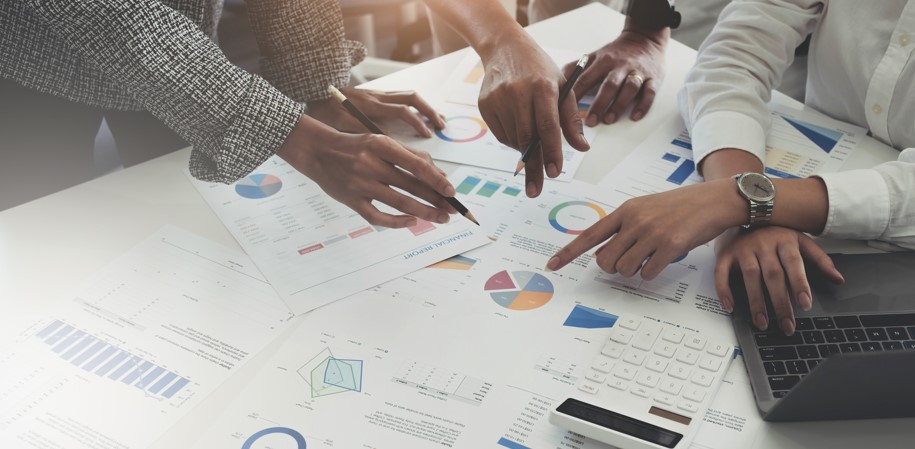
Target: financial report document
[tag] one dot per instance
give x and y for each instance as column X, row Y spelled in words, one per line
column 315, row 250
column 132, row 351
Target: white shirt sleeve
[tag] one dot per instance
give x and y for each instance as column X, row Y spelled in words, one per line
column 723, row 101
column 874, row 204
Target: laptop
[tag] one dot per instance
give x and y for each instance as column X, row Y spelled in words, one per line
column 852, row 355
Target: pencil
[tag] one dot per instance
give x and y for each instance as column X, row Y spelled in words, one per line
column 368, row 123
column 563, row 94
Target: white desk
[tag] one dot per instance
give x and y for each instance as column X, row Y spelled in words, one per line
column 51, row 244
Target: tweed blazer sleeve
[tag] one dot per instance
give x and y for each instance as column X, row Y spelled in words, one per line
column 234, row 120
column 302, row 44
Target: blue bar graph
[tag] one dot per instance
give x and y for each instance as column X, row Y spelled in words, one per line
column 670, row 157
column 682, row 173
column 176, row 387
column 505, row 442
column 106, row 360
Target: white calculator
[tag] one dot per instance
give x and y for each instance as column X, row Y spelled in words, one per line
column 648, row 388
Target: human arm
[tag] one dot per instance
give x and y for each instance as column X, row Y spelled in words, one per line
column 521, row 86
column 636, row 51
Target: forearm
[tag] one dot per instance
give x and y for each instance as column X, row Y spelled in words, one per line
column 484, row 24
column 800, row 204
column 728, row 162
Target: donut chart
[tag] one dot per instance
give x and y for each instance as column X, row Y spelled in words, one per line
column 573, row 217
column 258, row 186
column 462, row 129
column 296, row 436
column 519, row 290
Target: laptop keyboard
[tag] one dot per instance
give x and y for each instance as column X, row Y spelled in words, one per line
column 787, row 359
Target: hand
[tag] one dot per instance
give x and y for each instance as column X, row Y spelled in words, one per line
column 629, row 71
column 519, row 99
column 768, row 256
column 649, row 232
column 358, row 169
column 377, row 106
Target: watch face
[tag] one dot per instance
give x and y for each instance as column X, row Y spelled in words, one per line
column 757, row 187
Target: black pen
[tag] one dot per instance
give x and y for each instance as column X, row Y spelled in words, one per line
column 368, row 123
column 563, row 94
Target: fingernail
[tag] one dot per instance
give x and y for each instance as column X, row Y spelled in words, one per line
column 804, row 301
column 727, row 304
column 551, row 170
column 761, row 322
column 592, row 120
column 788, row 326
column 636, row 116
column 411, row 222
column 610, row 118
column 427, row 133
column 552, row 264
column 443, row 218
column 449, row 190
column 531, row 189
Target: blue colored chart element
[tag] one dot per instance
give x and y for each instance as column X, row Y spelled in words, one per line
column 299, row 439
column 825, row 138
column 258, row 186
column 588, row 318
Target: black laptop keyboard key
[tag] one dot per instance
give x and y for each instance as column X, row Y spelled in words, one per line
column 806, row 324
column 824, row 322
column 778, row 353
column 779, row 394
column 834, row 336
column 891, row 345
column 850, row 347
column 855, row 335
column 796, row 367
column 897, row 333
column 896, row 319
column 775, row 368
column 910, row 345
column 777, row 338
column 844, row 322
column 813, row 337
column 783, row 382
column 871, row 346
column 808, row 352
column 813, row 364
column 828, row 350
column 911, row 330
column 876, row 334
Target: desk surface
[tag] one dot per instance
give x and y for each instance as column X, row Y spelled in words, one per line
column 67, row 236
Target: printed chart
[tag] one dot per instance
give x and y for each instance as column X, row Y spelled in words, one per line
column 271, row 433
column 472, row 184
column 459, row 262
column 519, row 290
column 258, row 186
column 587, row 318
column 327, row 375
column 443, row 383
column 573, row 217
column 462, row 129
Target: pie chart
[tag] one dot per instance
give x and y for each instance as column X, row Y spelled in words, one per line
column 462, row 129
column 519, row 290
column 258, row 186
column 573, row 217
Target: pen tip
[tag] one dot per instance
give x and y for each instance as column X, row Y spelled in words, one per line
column 519, row 167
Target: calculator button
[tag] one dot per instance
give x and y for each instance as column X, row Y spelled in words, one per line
column 645, row 341
column 619, row 384
column 656, row 364
column 640, row 391
column 671, row 386
column 634, row 356
column 688, row 406
column 624, row 371
column 621, row 336
column 648, row 379
column 680, row 371
column 588, row 388
column 719, row 349
column 695, row 342
column 613, row 349
column 673, row 336
column 630, row 323
column 666, row 350
column 702, row 378
column 602, row 364
column 688, row 357
column 596, row 376
column 709, row 363
column 665, row 399
column 694, row 393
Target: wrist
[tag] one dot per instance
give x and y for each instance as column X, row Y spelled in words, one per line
column 306, row 135
column 658, row 36
column 735, row 209
column 507, row 38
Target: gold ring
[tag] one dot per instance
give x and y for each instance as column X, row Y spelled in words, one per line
column 637, row 78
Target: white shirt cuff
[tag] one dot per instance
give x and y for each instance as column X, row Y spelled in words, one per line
column 727, row 129
column 859, row 204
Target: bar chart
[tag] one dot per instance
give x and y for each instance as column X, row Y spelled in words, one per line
column 103, row 359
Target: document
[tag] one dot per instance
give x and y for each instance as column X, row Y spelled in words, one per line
column 137, row 347
column 799, row 144
column 315, row 250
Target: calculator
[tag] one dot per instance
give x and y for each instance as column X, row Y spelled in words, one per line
column 649, row 386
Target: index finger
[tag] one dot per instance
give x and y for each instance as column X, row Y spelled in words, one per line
column 591, row 237
column 546, row 118
column 417, row 101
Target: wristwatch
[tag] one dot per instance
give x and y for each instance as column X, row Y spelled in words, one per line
column 759, row 190
column 652, row 14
